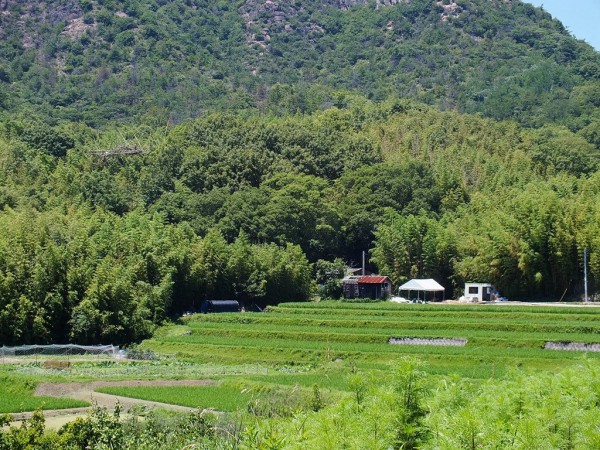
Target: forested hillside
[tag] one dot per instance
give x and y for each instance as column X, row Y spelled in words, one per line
column 226, row 206
column 154, row 154
column 164, row 61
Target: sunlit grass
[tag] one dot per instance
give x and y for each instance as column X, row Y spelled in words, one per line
column 18, row 397
column 314, row 334
column 222, row 398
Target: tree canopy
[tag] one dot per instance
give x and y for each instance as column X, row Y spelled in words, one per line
column 154, row 154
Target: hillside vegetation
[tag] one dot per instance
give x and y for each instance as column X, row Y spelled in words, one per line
column 155, row 154
column 97, row 61
column 231, row 207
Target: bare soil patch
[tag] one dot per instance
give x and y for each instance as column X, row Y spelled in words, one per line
column 83, row 391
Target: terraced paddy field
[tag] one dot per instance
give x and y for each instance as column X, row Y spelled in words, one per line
column 311, row 335
column 284, row 353
column 328, row 375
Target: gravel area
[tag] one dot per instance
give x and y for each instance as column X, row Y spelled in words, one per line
column 572, row 346
column 440, row 342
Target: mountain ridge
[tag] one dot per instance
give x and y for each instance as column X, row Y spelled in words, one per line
column 93, row 61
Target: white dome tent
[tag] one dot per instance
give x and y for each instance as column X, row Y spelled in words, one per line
column 422, row 285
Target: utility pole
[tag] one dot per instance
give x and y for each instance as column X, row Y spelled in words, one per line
column 363, row 263
column 585, row 295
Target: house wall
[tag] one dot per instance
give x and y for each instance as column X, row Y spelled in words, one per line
column 480, row 292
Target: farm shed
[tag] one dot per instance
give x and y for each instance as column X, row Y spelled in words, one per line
column 480, row 292
column 368, row 286
column 217, row 306
column 422, row 287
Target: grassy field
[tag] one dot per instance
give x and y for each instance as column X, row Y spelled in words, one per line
column 267, row 396
column 223, row 398
column 317, row 334
column 17, row 396
column 18, row 380
column 283, row 353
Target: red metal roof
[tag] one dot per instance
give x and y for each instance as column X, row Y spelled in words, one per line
column 373, row 279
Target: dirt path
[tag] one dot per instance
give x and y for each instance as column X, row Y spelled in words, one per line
column 86, row 392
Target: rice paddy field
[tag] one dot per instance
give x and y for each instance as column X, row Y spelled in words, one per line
column 281, row 355
column 226, row 398
column 18, row 397
column 306, row 336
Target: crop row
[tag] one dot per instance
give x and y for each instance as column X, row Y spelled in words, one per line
column 477, row 362
column 224, row 398
column 489, row 321
column 453, row 309
column 268, row 344
column 262, row 398
column 360, row 322
column 474, row 312
column 375, row 335
column 314, row 334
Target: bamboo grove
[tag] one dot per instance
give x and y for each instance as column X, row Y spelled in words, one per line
column 98, row 245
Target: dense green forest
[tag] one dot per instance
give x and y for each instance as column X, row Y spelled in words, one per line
column 154, row 154
column 95, row 61
column 228, row 206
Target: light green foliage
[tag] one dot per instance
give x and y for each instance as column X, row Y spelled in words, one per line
column 221, row 398
column 264, row 273
column 406, row 408
column 382, row 417
column 104, row 278
column 521, row 411
column 105, row 430
column 234, row 206
column 411, row 247
column 329, row 275
column 29, row 436
column 265, row 438
column 412, row 410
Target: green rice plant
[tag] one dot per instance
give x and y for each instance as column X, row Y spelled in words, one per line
column 373, row 334
column 18, row 397
column 359, row 321
column 319, row 316
column 259, row 399
column 317, row 334
column 222, row 398
column 456, row 309
column 478, row 362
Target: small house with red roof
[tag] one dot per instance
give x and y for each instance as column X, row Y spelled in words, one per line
column 367, row 286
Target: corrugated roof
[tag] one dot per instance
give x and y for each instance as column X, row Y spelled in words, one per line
column 372, row 279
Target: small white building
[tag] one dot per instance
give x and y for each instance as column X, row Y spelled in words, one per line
column 480, row 292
